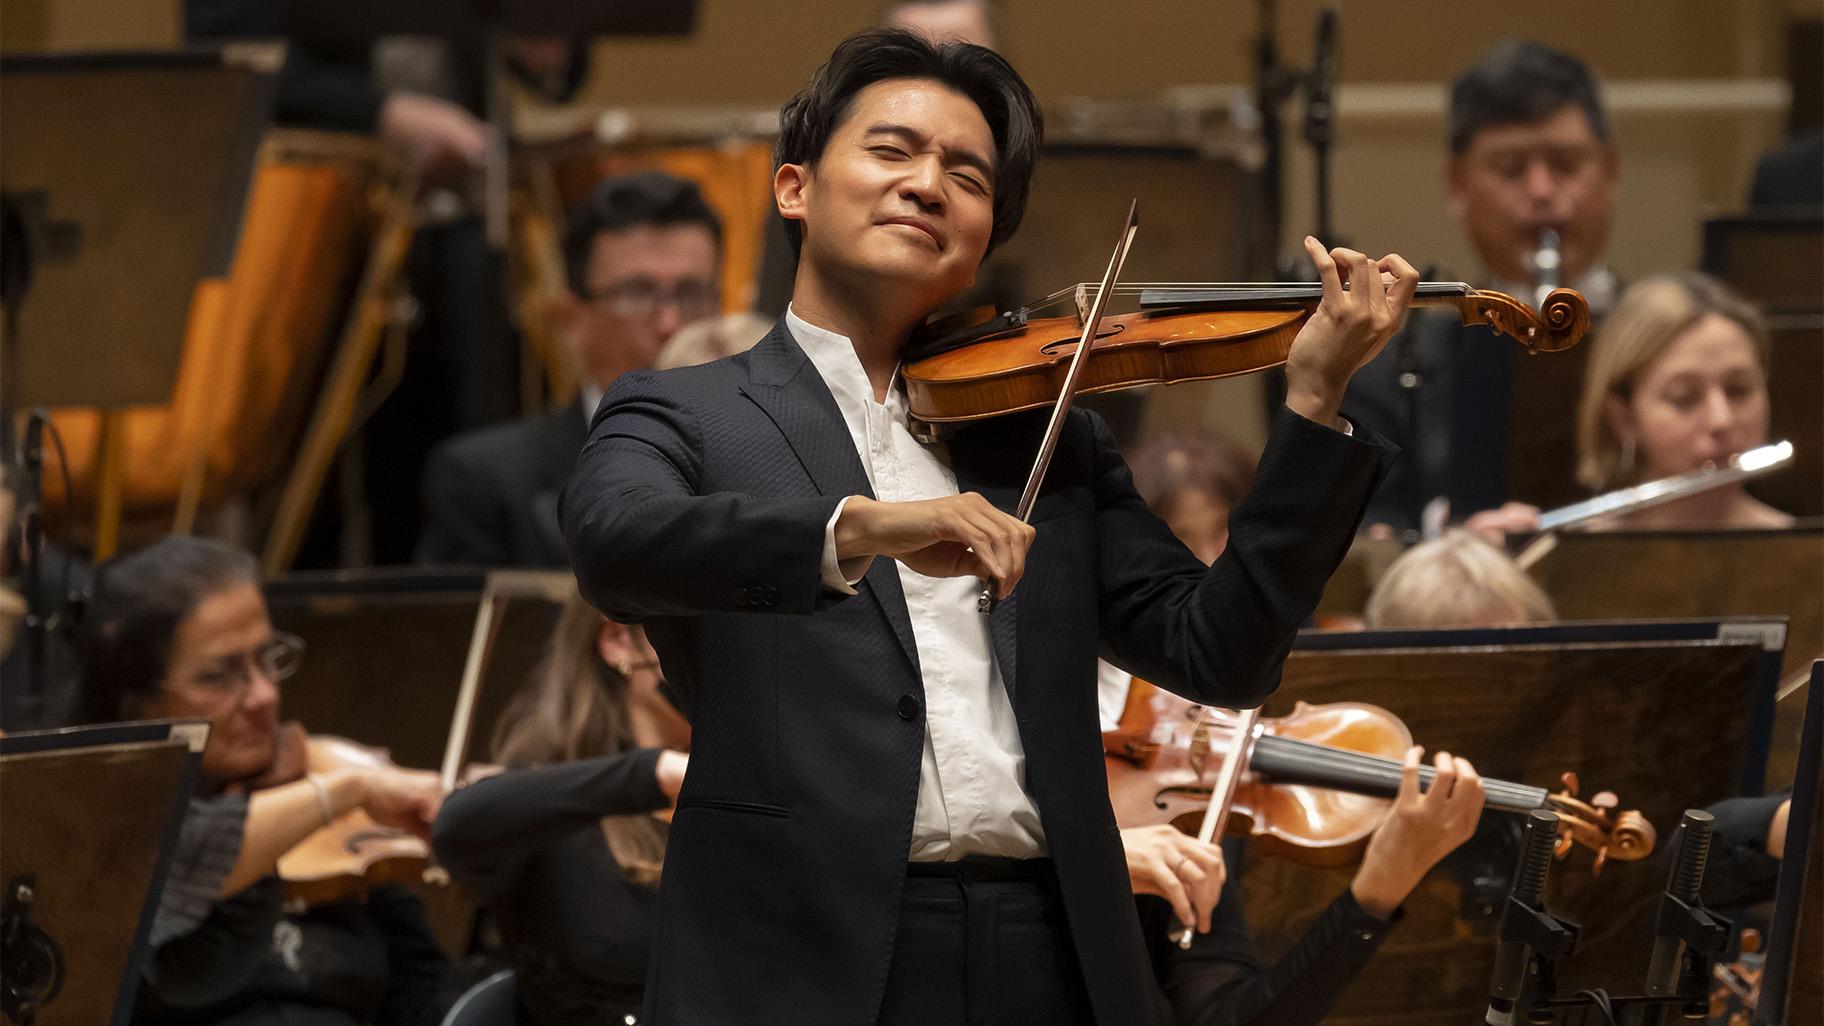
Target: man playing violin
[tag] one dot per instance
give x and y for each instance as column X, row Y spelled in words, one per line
column 896, row 808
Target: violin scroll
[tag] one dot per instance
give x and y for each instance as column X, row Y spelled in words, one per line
column 1599, row 825
column 1558, row 325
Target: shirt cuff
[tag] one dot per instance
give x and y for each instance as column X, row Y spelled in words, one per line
column 837, row 577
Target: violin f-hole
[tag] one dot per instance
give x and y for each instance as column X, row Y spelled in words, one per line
column 1054, row 348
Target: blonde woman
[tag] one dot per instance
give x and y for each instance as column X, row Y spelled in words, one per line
column 1458, row 580
column 563, row 846
column 1677, row 381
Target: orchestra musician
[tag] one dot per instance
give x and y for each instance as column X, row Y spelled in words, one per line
column 1457, row 580
column 562, row 846
column 894, row 808
column 1676, row 382
column 179, row 630
column 1192, row 479
column 643, row 256
column 1529, row 153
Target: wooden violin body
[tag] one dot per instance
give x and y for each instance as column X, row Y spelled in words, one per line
column 1317, row 783
column 343, row 860
column 1182, row 333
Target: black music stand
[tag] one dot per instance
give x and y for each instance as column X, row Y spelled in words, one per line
column 1798, row 902
column 92, row 817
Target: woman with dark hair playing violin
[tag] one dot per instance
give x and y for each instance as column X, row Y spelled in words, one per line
column 179, row 630
column 563, row 846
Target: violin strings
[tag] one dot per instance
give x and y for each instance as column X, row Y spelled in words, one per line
column 1293, row 755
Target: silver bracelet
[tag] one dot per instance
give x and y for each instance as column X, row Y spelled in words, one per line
column 316, row 781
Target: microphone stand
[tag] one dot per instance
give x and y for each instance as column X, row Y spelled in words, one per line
column 1531, row 939
column 1687, row 938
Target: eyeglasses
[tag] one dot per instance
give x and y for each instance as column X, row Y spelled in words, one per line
column 634, row 298
column 232, row 675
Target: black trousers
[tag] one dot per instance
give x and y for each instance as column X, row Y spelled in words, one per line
column 984, row 942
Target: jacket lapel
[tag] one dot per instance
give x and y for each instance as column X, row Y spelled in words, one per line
column 788, row 389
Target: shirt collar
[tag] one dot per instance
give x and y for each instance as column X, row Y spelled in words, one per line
column 834, row 357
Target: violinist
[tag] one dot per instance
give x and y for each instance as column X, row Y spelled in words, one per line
column 562, row 846
column 1677, row 381
column 895, row 810
column 1187, row 478
column 179, row 629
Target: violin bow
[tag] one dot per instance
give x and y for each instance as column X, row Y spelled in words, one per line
column 1092, row 323
column 1222, row 795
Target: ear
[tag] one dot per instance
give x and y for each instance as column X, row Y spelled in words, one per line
column 615, row 644
column 790, row 183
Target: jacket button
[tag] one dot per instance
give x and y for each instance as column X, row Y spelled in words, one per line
column 908, row 707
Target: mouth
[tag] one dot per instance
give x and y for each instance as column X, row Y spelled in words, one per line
column 931, row 232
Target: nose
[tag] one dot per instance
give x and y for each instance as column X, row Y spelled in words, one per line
column 924, row 183
column 1539, row 183
column 1719, row 412
column 668, row 320
column 263, row 691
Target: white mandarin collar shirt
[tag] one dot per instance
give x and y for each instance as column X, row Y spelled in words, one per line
column 972, row 797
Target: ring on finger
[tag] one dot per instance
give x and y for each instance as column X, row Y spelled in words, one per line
column 1178, row 866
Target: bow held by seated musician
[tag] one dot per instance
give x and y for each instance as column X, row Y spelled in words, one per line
column 876, row 764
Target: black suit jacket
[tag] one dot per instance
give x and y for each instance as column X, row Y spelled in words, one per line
column 699, row 506
column 490, row 496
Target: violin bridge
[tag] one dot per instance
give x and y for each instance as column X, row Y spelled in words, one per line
column 1082, row 297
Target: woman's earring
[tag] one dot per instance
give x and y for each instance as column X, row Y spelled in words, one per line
column 624, row 667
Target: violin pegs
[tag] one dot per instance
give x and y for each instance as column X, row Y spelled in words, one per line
column 1605, row 800
column 1569, row 778
column 1602, row 858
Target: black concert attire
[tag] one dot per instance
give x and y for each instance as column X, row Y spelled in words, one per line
column 1221, row 980
column 700, row 507
column 1740, row 874
column 245, row 960
column 528, row 843
column 490, row 496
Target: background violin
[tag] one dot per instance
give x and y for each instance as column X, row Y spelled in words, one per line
column 353, row 853
column 976, row 366
column 1317, row 783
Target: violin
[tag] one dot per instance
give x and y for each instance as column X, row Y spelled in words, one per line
column 1315, row 785
column 976, row 366
column 352, row 854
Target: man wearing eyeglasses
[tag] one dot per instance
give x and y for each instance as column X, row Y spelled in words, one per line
column 643, row 258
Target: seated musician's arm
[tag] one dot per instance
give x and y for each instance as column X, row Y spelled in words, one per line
column 644, row 539
column 488, row 832
column 1220, row 981
column 1219, row 635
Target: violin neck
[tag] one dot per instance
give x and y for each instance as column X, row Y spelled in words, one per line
column 1289, row 761
column 1256, row 294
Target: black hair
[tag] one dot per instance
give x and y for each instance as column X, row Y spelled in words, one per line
column 630, row 201
column 138, row 602
column 808, row 119
column 1519, row 81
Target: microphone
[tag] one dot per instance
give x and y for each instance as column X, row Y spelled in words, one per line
column 1686, row 933
column 1525, row 927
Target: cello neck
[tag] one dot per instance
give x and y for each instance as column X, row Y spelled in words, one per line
column 1290, row 761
